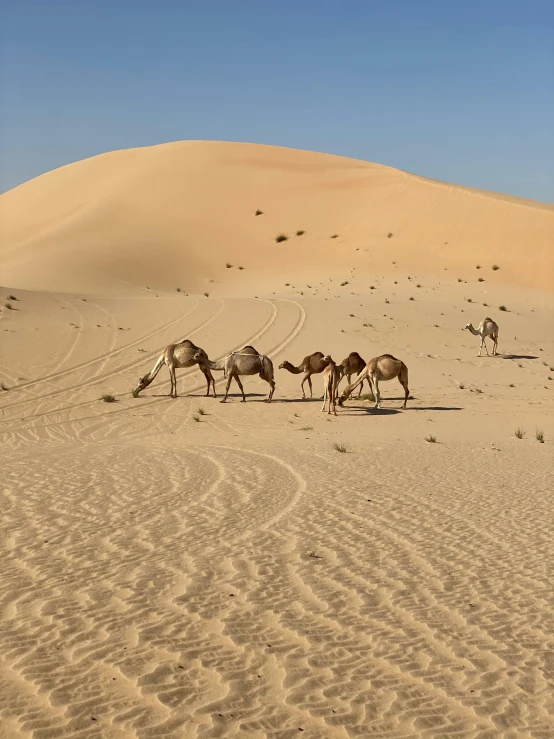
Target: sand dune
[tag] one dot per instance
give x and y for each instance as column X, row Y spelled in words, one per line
column 181, row 211
column 181, row 568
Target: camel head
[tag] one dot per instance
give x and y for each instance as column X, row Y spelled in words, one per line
column 284, row 365
column 142, row 383
column 468, row 325
column 200, row 356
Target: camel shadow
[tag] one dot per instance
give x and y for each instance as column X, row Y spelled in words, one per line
column 518, row 356
column 297, row 400
column 371, row 411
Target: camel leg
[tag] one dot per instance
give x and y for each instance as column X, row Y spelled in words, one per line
column 310, row 384
column 404, row 382
column 306, row 377
column 324, row 399
column 229, row 378
column 350, row 388
column 271, row 390
column 376, row 392
column 239, row 383
column 173, row 391
column 361, row 386
column 333, row 398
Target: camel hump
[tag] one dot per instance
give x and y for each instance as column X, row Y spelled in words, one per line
column 188, row 343
column 388, row 356
column 489, row 319
column 249, row 350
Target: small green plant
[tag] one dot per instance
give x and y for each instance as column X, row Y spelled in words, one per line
column 178, row 289
column 539, row 435
column 228, row 265
column 512, row 384
column 339, row 448
column 418, row 285
column 478, row 390
column 241, row 267
column 300, row 233
column 9, row 306
column 207, row 295
column 502, row 307
column 412, row 298
column 469, row 300
column 335, row 236
column 108, row 398
column 259, row 213
column 480, row 279
column 12, row 297
column 368, row 396
column 3, row 386
column 519, row 433
column 342, row 284
column 196, row 418
column 486, row 305
column 389, row 235
column 307, row 428
column 281, row 237
column 431, row 439
column 201, row 412
column 477, row 266
column 495, row 267
column 461, row 385
column 460, row 279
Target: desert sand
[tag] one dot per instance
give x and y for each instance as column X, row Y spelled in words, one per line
column 182, row 568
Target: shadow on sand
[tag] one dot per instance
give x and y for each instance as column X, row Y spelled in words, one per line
column 518, row 356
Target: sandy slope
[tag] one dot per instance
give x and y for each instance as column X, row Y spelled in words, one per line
column 178, row 212
column 235, row 576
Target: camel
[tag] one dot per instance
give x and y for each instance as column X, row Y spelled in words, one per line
column 313, row 364
column 176, row 356
column 380, row 369
column 332, row 375
column 246, row 362
column 353, row 364
column 487, row 327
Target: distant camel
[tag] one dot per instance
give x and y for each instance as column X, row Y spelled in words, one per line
column 380, row 369
column 246, row 362
column 176, row 356
column 313, row 364
column 353, row 365
column 487, row 327
column 332, row 375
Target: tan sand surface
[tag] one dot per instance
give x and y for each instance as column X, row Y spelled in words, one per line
column 167, row 573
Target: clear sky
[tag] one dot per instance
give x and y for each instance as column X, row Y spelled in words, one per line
column 458, row 90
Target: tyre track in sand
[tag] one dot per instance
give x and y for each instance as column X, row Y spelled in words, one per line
column 10, row 435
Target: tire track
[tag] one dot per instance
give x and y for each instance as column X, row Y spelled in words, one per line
column 154, row 401
column 113, row 372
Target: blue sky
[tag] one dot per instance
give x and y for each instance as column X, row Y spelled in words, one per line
column 458, row 91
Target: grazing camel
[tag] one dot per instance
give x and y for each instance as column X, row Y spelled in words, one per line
column 353, row 365
column 176, row 356
column 487, row 327
column 246, row 362
column 380, row 369
column 313, row 364
column 332, row 375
